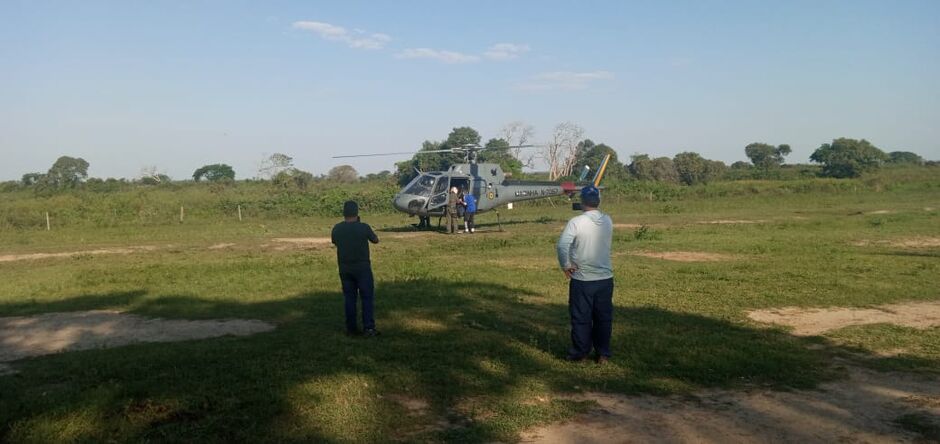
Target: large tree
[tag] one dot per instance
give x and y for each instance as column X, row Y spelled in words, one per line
column 343, row 174
column 498, row 151
column 560, row 153
column 216, row 172
column 519, row 133
column 694, row 169
column 66, row 172
column 458, row 137
column 592, row 155
column 30, row 179
column 274, row 164
column 905, row 157
column 293, row 177
column 660, row 169
column 848, row 157
column 765, row 156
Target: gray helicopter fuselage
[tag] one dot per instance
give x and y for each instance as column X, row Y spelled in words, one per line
column 428, row 194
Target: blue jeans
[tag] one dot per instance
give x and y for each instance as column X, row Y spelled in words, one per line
column 356, row 284
column 592, row 312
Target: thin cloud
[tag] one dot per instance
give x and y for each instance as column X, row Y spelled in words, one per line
column 357, row 38
column 506, row 51
column 564, row 80
column 439, row 55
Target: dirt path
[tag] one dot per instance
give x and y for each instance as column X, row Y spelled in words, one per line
column 24, row 337
column 32, row 256
column 914, row 242
column 814, row 321
column 685, row 256
column 862, row 408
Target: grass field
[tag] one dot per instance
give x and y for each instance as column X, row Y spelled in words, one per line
column 473, row 325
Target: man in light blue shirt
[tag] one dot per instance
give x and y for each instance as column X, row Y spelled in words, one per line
column 584, row 256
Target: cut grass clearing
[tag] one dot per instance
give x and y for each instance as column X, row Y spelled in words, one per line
column 473, row 326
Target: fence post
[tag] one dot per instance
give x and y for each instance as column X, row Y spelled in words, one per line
column 239, row 213
column 181, row 214
column 48, row 226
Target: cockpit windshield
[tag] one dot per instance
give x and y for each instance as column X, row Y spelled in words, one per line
column 422, row 185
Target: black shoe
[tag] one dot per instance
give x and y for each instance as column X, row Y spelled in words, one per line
column 575, row 358
column 601, row 360
column 371, row 333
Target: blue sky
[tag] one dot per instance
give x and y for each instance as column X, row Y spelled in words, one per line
column 177, row 85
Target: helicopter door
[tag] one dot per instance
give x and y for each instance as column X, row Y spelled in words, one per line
column 439, row 195
column 479, row 191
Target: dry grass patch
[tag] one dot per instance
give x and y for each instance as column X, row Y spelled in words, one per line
column 29, row 336
column 685, row 256
column 913, row 242
column 732, row 221
column 100, row 251
column 814, row 321
column 862, row 408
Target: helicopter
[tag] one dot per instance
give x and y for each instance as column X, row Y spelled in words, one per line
column 427, row 194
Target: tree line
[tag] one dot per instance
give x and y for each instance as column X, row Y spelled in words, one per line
column 566, row 155
column 568, row 150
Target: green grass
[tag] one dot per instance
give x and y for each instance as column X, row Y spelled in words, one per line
column 473, row 325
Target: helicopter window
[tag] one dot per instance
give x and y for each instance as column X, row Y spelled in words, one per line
column 441, row 185
column 421, row 186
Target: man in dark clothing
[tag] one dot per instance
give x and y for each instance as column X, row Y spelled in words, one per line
column 452, row 209
column 352, row 238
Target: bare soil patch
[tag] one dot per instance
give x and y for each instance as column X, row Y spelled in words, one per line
column 814, row 321
column 685, row 256
column 914, row 242
column 221, row 246
column 414, row 406
column 33, row 256
column 29, row 336
column 862, row 408
column 628, row 226
column 303, row 240
column 732, row 221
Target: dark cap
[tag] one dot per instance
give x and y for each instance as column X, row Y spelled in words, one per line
column 590, row 196
column 350, row 208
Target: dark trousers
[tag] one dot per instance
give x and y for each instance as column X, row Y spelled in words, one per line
column 468, row 218
column 452, row 220
column 592, row 313
column 358, row 284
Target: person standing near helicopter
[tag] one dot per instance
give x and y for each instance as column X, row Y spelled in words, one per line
column 351, row 238
column 584, row 256
column 470, row 208
column 452, row 199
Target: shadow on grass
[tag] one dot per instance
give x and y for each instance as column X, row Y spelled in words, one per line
column 481, row 355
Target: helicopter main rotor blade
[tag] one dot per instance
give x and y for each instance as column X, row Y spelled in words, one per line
column 454, row 150
column 376, row 154
column 398, row 153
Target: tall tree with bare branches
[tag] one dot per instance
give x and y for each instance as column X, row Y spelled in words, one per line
column 519, row 133
column 561, row 152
